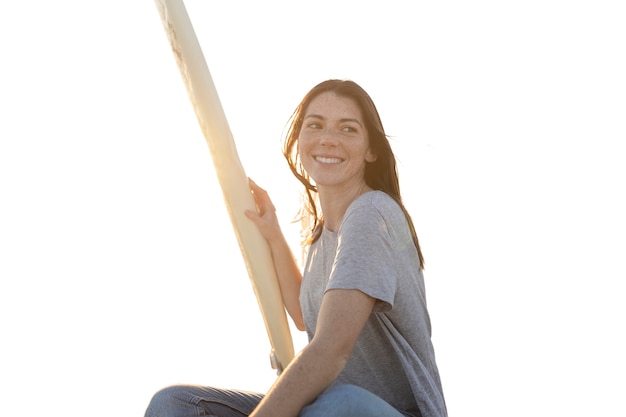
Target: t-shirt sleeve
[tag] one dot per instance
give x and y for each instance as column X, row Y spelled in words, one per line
column 364, row 257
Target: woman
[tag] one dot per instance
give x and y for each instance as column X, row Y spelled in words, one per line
column 361, row 295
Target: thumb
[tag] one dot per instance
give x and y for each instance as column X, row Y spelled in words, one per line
column 251, row 214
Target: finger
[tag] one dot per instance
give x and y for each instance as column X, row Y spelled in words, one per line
column 261, row 197
column 253, row 215
column 263, row 224
column 254, row 186
column 256, row 191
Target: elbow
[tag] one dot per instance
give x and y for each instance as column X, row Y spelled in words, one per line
column 298, row 321
column 295, row 312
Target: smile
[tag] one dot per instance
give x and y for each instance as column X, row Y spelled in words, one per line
column 325, row 160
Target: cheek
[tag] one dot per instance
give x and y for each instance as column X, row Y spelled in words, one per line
column 303, row 145
column 301, row 151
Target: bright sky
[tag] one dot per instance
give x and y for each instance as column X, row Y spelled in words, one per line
column 119, row 270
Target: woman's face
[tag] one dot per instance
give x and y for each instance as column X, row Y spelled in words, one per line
column 333, row 142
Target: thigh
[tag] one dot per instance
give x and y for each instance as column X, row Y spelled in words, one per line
column 192, row 400
column 349, row 401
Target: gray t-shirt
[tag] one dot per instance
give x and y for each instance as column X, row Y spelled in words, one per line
column 373, row 252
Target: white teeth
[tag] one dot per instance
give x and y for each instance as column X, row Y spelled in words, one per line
column 327, row 160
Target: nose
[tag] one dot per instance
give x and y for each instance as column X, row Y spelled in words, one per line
column 328, row 138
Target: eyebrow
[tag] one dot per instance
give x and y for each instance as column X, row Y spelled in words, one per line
column 317, row 116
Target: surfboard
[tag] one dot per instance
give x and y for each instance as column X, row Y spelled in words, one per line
column 231, row 176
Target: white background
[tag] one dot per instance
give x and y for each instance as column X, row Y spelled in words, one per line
column 119, row 271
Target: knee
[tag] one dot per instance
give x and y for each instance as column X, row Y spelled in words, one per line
column 342, row 400
column 167, row 402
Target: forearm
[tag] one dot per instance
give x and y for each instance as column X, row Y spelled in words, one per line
column 342, row 315
column 289, row 278
column 308, row 375
column 285, row 266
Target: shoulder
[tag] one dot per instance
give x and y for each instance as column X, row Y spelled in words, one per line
column 376, row 212
column 375, row 203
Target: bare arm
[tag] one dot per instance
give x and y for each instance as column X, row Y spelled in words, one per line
column 287, row 271
column 341, row 318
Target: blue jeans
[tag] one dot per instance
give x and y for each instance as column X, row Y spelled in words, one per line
column 337, row 401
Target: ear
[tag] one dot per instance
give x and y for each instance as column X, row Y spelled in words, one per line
column 370, row 157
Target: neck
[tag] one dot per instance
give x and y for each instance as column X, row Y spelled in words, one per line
column 335, row 202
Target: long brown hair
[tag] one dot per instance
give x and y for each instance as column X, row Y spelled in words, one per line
column 382, row 174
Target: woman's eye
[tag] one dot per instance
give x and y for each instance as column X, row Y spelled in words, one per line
column 348, row 129
column 313, row 125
